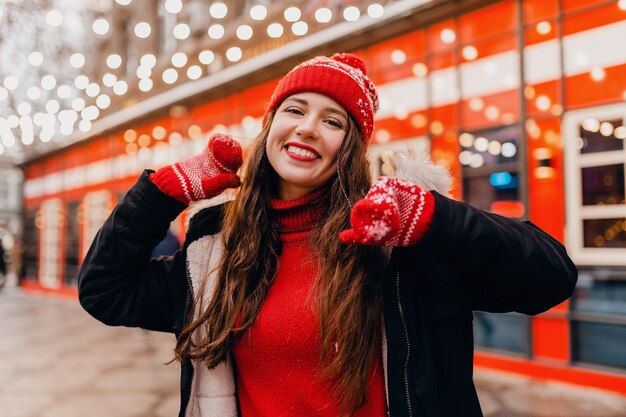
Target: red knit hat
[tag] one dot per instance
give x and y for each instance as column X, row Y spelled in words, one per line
column 342, row 77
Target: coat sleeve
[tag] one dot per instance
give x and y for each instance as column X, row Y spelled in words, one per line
column 119, row 283
column 500, row 264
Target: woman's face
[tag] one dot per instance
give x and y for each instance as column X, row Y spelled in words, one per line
column 303, row 141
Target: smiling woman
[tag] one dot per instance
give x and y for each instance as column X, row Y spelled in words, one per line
column 285, row 301
column 302, row 145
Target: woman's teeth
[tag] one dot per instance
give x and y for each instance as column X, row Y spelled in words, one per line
column 301, row 152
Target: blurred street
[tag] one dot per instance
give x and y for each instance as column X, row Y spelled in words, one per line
column 56, row 361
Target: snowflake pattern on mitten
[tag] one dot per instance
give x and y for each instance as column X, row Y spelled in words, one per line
column 394, row 212
column 204, row 175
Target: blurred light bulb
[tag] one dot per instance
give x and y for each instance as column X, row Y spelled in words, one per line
column 181, row 31
column 78, row 104
column 351, row 14
column 35, row 58
column 114, row 61
column 92, row 90
column 54, row 18
column 244, row 32
column 33, row 93
column 84, row 126
column 120, row 87
column 398, row 57
column 375, row 10
column 218, row 10
column 109, row 79
column 470, row 53
column 543, row 28
column 145, row 85
column 77, row 60
column 216, row 31
column 143, row 72
column 179, row 59
column 300, row 28
column 206, row 57
column 24, row 109
column 597, row 74
column 148, row 60
column 101, row 26
column 170, row 76
column 64, row 91
column 48, row 82
column 258, row 12
column 90, row 113
column 194, row 72
column 52, row 106
column 11, row 82
column 103, row 101
column 292, row 14
column 173, row 6
column 323, row 15
column 143, row 30
column 81, row 82
column 275, row 30
column 233, row 54
column 447, row 36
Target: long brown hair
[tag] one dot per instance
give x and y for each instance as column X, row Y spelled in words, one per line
column 347, row 292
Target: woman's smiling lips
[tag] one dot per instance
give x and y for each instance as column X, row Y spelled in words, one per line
column 301, row 152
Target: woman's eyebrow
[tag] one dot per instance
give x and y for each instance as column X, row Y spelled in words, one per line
column 328, row 109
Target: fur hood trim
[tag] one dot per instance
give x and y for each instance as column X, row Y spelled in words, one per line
column 418, row 167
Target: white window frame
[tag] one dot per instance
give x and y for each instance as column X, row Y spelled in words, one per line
column 576, row 213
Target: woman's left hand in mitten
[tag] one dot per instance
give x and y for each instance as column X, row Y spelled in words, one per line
column 394, row 212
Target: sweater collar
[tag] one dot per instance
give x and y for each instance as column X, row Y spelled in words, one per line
column 301, row 214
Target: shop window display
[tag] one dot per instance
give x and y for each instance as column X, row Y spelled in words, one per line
column 491, row 175
column 71, row 243
column 599, row 317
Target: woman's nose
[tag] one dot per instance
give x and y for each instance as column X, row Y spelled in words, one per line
column 308, row 127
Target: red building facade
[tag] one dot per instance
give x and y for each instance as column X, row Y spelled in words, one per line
column 524, row 101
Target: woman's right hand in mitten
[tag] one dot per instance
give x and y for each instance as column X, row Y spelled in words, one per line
column 204, row 175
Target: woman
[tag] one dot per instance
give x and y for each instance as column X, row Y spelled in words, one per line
column 312, row 293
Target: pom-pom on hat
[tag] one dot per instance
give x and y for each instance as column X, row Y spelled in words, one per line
column 342, row 77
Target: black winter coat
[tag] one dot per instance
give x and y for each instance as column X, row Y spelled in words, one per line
column 469, row 260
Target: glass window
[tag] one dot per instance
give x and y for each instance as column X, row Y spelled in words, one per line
column 491, row 171
column 599, row 343
column 603, row 185
column 595, row 160
column 501, row 331
column 605, row 233
column 599, row 317
column 50, row 240
column 601, row 135
column 71, row 243
column 600, row 291
column 30, row 256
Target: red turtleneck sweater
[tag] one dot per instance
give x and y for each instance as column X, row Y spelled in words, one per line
column 277, row 362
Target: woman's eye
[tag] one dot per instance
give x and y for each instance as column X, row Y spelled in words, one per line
column 294, row 110
column 335, row 123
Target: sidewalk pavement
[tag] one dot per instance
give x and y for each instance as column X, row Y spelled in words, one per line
column 57, row 361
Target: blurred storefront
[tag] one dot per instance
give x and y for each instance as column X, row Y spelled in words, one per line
column 524, row 101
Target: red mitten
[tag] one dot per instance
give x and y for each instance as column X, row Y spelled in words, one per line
column 394, row 212
column 205, row 175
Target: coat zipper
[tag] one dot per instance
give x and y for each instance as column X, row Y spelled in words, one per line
column 408, row 346
column 188, row 394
